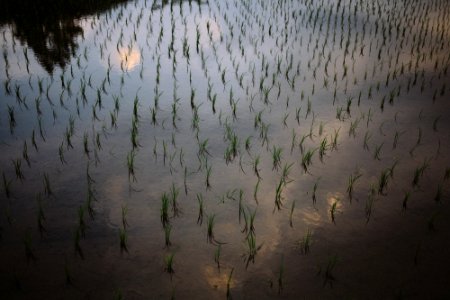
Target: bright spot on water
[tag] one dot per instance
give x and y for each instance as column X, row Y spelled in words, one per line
column 335, row 198
column 214, row 32
column 128, row 59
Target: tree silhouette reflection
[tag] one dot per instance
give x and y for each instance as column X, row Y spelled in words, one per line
column 50, row 27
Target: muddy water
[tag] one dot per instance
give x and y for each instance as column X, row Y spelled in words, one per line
column 364, row 80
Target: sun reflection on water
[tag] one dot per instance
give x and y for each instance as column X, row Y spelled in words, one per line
column 128, row 58
column 218, row 280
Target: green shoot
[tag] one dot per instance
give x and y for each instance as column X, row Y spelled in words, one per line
column 229, row 284
column 305, row 243
column 123, row 240
column 168, row 261
column 210, row 232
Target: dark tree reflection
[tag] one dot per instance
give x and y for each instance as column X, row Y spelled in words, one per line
column 50, row 27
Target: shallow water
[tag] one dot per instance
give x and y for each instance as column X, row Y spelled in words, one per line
column 364, row 80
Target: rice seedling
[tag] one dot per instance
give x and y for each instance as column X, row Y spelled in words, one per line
column 86, row 144
column 438, row 196
column 281, row 275
column 124, row 216
column 118, row 294
column 12, row 119
column 278, row 194
column 47, row 187
column 291, row 214
column 418, row 173
column 134, row 133
column 305, row 243
column 377, row 152
column 367, row 137
column 392, row 168
column 98, row 141
column 174, row 192
column 249, row 221
column 200, row 209
column 307, row 159
column 339, row 113
column 256, row 162
column 406, row 198
column 152, row 114
column 33, row 141
column 308, row 109
column 208, row 175
column 255, row 191
column 334, row 139
column 396, row 138
column 435, row 123
column 217, row 253
column 18, row 169
column 333, row 211
column 230, row 195
column 210, row 229
column 276, row 157
column 252, row 248
column 203, row 148
column 286, row 115
column 369, row 203
column 419, row 137
column 6, row 185
column 323, row 148
column 168, row 264
column 241, row 207
column 123, row 237
column 81, row 223
column 229, row 284
column 297, row 115
column 167, row 231
column 353, row 126
column 40, row 215
column 351, row 181
column 29, row 251
column 164, row 213
column 313, row 195
column 329, row 276
column 90, row 199
column 68, row 136
column 25, row 154
column 130, row 163
column 383, row 181
column 248, row 144
column 77, row 246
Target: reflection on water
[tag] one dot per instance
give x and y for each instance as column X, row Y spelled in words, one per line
column 128, row 59
column 218, row 280
column 311, row 217
column 241, row 120
column 49, row 27
column 336, row 199
column 159, row 4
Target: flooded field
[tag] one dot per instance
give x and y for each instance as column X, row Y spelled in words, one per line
column 212, row 149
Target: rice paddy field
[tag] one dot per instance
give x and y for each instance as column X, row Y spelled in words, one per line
column 243, row 149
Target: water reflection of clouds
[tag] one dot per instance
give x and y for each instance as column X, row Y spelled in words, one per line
column 218, row 280
column 311, row 216
column 128, row 58
column 214, row 33
column 335, row 197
